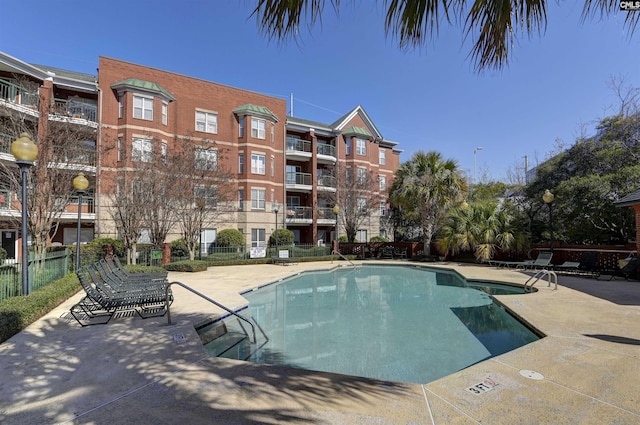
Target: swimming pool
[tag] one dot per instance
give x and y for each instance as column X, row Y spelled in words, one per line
column 410, row 324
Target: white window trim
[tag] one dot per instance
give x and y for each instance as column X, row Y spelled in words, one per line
column 361, row 146
column 211, row 128
column 258, row 203
column 165, row 113
column 143, row 152
column 256, row 131
column 258, row 167
column 382, row 157
column 142, row 107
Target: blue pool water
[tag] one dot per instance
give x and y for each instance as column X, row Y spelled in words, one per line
column 409, row 324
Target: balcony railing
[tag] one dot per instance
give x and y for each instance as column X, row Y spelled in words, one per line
column 326, row 149
column 299, row 179
column 326, row 214
column 327, row 181
column 295, row 144
column 299, row 213
column 84, row 156
column 13, row 93
column 5, row 199
column 75, row 107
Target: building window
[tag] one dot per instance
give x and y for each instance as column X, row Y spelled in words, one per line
column 209, row 194
column 207, row 122
column 258, row 199
column 143, row 108
column 383, row 208
column 241, row 163
column 273, row 132
column 258, row 164
column 383, row 183
column 120, row 148
column 241, row 199
column 165, row 113
column 362, row 205
column 241, row 127
column 361, row 175
column 258, row 238
column 164, row 152
column 206, row 159
column 141, row 151
column 348, row 176
column 273, row 166
column 258, row 128
column 382, row 156
column 121, row 106
column 361, row 146
column 348, row 140
column 361, row 235
column 207, row 239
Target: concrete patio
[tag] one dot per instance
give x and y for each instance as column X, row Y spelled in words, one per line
column 585, row 371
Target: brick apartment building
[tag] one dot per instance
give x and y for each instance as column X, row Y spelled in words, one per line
column 131, row 111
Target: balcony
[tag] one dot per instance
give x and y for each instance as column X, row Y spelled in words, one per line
column 299, row 215
column 327, row 183
column 75, row 110
column 326, row 153
column 301, row 182
column 298, row 149
column 326, row 216
column 19, row 98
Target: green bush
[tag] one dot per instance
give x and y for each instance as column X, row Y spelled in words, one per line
column 3, row 255
column 16, row 313
column 186, row 266
column 378, row 239
column 179, row 248
column 343, row 238
column 229, row 237
column 135, row 268
column 285, row 237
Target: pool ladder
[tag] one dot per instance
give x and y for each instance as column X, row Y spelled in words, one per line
column 540, row 274
column 343, row 257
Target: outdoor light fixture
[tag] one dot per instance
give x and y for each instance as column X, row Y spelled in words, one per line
column 548, row 198
column 276, row 208
column 80, row 184
column 25, row 152
column 336, row 210
column 478, row 148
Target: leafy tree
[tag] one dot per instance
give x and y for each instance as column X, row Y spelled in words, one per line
column 586, row 179
column 492, row 26
column 425, row 187
column 229, row 237
column 481, row 227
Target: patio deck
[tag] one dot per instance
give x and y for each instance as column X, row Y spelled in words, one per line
column 134, row 371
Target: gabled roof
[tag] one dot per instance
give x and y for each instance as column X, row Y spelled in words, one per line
column 148, row 87
column 255, row 111
column 72, row 80
column 629, row 200
column 358, row 110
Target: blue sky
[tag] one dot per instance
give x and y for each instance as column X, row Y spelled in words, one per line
column 427, row 99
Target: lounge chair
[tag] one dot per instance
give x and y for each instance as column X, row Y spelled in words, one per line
column 586, row 266
column 542, row 261
column 629, row 271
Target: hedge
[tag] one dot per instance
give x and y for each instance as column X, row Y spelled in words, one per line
column 186, row 266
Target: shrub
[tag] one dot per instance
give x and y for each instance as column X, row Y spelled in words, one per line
column 135, row 268
column 16, row 313
column 3, row 255
column 285, row 237
column 186, row 266
column 229, row 237
column 343, row 238
column 179, row 248
column 378, row 239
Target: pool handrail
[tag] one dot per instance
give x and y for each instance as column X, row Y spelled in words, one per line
column 343, row 257
column 203, row 296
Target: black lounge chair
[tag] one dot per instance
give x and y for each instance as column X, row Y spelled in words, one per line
column 629, row 271
column 588, row 265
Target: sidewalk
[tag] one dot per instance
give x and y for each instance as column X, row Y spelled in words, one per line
column 138, row 371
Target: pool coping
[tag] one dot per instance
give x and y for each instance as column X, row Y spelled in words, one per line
column 131, row 369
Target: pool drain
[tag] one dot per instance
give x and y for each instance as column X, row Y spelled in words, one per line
column 532, row 374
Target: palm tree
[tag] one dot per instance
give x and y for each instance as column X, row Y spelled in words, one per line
column 482, row 227
column 492, row 25
column 425, row 187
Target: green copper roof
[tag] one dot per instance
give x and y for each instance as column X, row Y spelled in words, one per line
column 255, row 111
column 357, row 131
column 134, row 84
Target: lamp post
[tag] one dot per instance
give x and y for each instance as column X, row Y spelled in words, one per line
column 80, row 184
column 336, row 211
column 548, row 198
column 475, row 150
column 25, row 152
column 276, row 208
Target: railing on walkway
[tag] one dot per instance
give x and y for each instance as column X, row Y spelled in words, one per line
column 54, row 266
